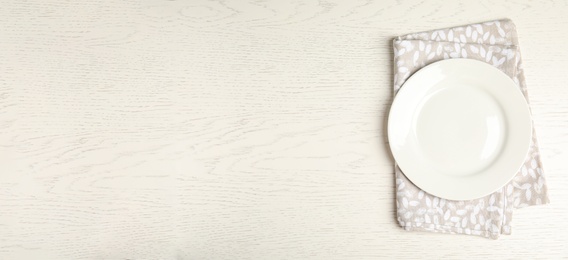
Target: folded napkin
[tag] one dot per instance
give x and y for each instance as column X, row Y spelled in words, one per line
column 495, row 43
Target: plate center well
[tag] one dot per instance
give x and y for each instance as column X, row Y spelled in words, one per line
column 460, row 129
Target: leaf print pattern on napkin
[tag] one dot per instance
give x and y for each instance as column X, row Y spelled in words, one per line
column 494, row 43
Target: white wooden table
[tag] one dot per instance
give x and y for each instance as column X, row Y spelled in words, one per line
column 238, row 129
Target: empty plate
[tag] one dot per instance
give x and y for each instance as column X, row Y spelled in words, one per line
column 459, row 129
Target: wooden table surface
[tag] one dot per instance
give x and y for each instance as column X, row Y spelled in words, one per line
column 238, row 129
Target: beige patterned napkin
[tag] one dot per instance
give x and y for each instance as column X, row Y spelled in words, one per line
column 496, row 43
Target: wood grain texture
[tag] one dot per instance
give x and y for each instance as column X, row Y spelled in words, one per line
column 238, row 129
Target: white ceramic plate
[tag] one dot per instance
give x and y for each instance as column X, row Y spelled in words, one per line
column 459, row 129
